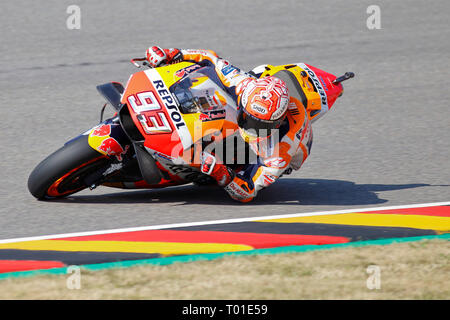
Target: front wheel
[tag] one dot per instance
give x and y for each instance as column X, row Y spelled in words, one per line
column 62, row 173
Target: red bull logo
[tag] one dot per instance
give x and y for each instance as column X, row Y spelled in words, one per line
column 102, row 131
column 111, row 147
column 180, row 73
column 204, row 117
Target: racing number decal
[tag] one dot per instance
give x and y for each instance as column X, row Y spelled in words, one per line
column 156, row 128
column 145, row 102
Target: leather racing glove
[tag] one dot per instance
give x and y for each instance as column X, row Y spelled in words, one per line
column 157, row 56
column 220, row 172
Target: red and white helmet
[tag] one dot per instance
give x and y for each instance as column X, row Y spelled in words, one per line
column 263, row 107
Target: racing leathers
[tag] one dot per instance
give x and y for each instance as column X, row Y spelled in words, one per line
column 278, row 154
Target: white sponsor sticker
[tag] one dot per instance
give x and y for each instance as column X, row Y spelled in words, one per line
column 258, row 108
column 171, row 107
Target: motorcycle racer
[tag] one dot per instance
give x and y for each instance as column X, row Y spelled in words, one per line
column 265, row 107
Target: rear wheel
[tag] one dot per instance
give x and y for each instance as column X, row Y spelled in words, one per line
column 62, row 173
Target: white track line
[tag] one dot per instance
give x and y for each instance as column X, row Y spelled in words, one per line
column 202, row 223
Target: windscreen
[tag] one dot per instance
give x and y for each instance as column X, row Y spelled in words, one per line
column 198, row 93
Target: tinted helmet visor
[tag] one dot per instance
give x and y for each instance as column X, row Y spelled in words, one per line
column 255, row 127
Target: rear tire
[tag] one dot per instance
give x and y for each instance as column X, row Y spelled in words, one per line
column 62, row 172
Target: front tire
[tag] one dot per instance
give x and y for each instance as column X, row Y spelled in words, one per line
column 62, row 173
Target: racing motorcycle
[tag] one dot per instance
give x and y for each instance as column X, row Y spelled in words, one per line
column 161, row 115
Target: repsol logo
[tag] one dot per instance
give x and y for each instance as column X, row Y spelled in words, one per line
column 320, row 90
column 170, row 105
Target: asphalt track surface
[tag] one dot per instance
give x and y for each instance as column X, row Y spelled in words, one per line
column 386, row 143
